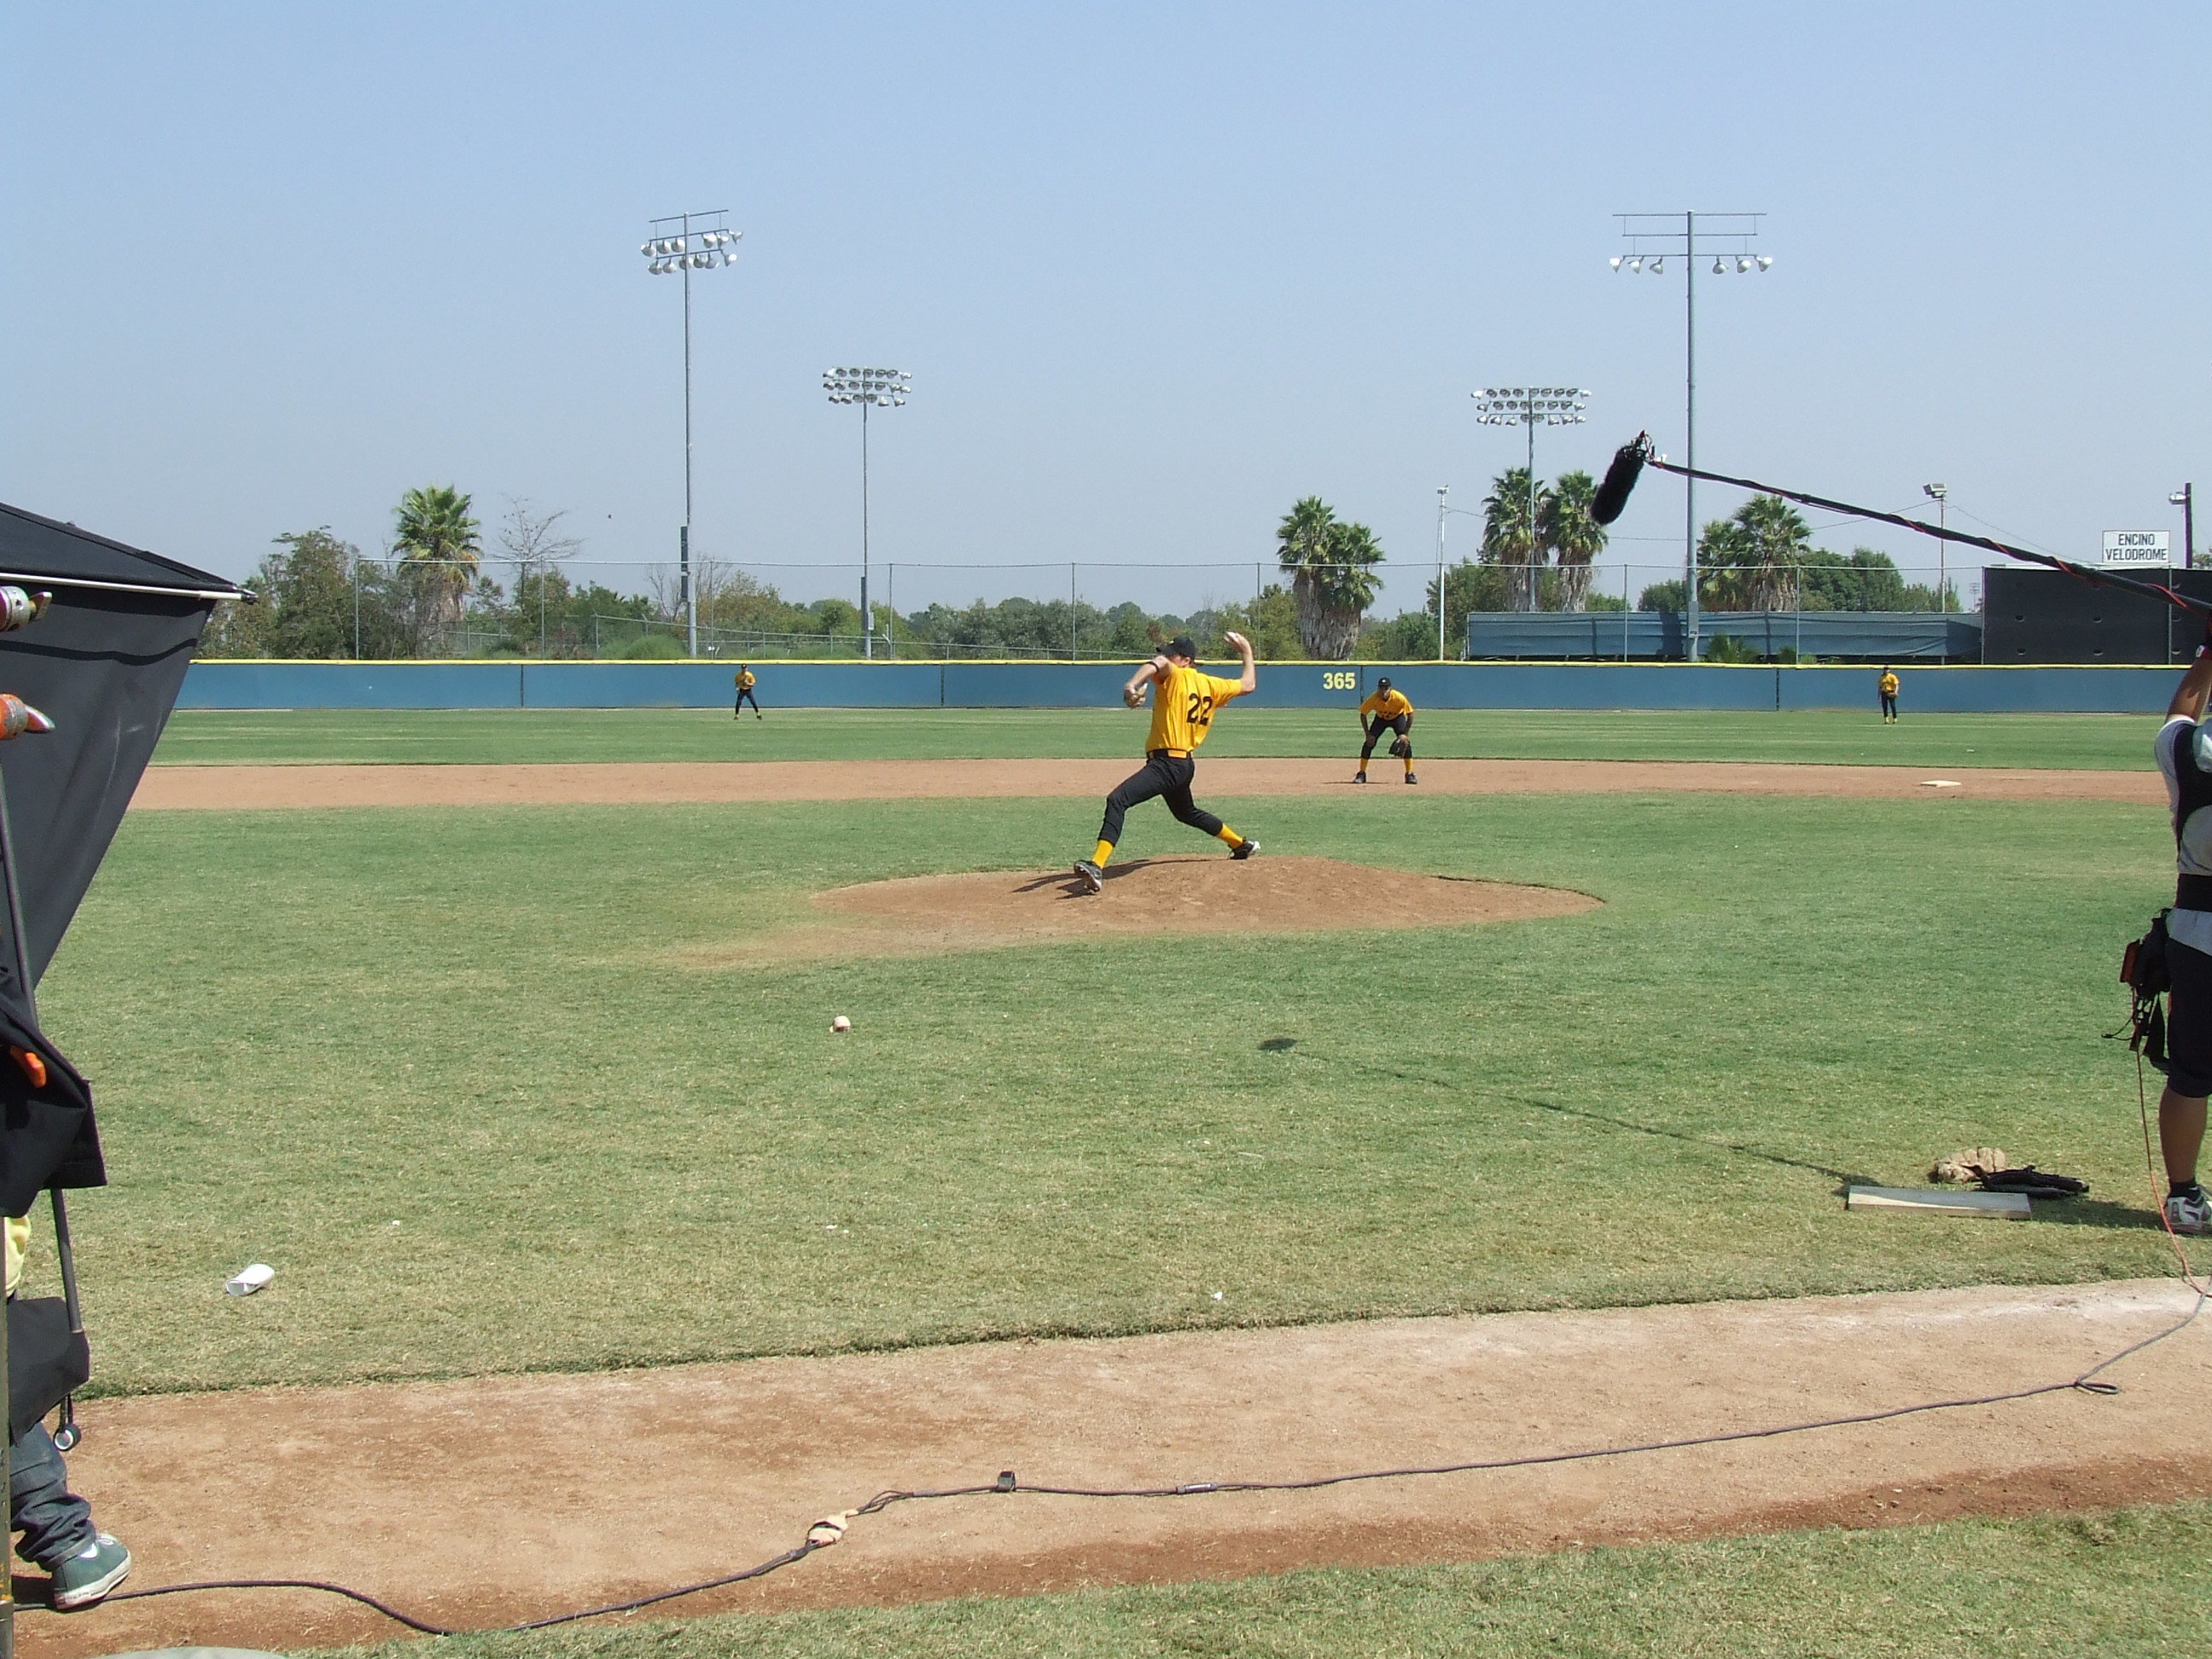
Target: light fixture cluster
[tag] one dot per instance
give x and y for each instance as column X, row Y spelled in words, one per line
column 702, row 250
column 1722, row 264
column 1530, row 405
column 884, row 387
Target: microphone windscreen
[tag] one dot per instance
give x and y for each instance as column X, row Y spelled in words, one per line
column 1619, row 478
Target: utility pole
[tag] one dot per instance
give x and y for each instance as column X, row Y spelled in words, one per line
column 1940, row 493
column 2186, row 499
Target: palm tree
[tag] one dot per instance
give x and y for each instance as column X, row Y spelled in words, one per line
column 1509, row 539
column 1563, row 526
column 1753, row 555
column 1331, row 565
column 436, row 536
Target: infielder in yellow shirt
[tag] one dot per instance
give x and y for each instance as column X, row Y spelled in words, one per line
column 1184, row 702
column 1388, row 710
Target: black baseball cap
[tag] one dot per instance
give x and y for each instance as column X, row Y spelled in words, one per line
column 1383, row 684
column 1181, row 645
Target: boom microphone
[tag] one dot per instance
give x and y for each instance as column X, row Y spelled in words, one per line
column 1621, row 478
column 1631, row 459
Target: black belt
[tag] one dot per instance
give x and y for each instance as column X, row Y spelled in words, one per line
column 2192, row 893
column 1184, row 753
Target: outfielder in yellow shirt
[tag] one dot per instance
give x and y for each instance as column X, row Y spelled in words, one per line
column 1184, row 702
column 1388, row 710
column 745, row 681
column 1887, row 688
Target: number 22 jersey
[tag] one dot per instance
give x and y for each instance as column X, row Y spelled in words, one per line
column 1183, row 702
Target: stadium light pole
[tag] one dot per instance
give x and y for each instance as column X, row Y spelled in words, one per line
column 1941, row 494
column 1444, row 508
column 1652, row 240
column 2186, row 499
column 1529, row 406
column 870, row 388
column 679, row 244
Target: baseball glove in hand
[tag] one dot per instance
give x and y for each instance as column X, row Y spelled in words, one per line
column 1133, row 695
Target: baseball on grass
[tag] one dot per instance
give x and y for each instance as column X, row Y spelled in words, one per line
column 840, row 1024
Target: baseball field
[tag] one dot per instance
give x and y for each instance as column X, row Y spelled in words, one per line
column 549, row 1090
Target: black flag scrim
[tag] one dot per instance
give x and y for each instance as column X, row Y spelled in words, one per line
column 104, row 661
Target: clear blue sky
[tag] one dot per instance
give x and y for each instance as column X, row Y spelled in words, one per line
column 1156, row 270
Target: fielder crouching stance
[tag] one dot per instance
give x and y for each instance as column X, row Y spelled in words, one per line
column 1389, row 710
column 2184, row 747
column 1183, row 704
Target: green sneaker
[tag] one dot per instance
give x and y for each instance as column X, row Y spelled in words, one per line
column 85, row 1578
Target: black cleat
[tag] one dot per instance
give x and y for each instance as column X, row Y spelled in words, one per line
column 1413, row 777
column 1359, row 777
column 1092, row 878
column 1245, row 850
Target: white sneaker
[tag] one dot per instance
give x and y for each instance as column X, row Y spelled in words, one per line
column 2190, row 1213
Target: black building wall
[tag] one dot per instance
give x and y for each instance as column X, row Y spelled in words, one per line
column 2032, row 615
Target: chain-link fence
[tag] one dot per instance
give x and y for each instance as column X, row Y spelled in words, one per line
column 934, row 611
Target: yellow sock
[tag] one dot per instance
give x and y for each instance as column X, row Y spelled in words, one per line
column 1105, row 851
column 1226, row 834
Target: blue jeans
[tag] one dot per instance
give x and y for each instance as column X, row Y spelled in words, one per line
column 55, row 1523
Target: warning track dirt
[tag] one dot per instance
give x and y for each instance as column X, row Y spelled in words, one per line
column 248, row 788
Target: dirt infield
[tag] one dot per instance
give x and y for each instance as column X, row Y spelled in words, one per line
column 233, row 789
column 497, row 1499
column 1179, row 894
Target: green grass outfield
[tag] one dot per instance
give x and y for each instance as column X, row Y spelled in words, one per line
column 507, row 1089
column 493, row 736
column 2127, row 1584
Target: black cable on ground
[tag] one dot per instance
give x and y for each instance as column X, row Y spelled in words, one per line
column 827, row 1531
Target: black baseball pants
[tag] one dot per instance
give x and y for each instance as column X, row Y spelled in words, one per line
column 1403, row 725
column 1167, row 777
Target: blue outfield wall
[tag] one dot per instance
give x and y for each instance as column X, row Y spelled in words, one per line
column 270, row 685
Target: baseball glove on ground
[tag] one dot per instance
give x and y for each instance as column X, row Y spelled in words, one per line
column 1973, row 1164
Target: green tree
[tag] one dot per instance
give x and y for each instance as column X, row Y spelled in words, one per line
column 1573, row 538
column 439, row 551
column 1749, row 560
column 1331, row 564
column 1270, row 621
column 533, row 542
column 1510, row 537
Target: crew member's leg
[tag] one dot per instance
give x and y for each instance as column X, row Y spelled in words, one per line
column 2189, row 1080
column 1375, row 728
column 55, row 1523
column 1188, row 811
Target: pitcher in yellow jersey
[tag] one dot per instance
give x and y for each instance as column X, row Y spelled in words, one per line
column 1184, row 702
column 1389, row 710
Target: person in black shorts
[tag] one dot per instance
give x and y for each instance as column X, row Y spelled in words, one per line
column 2184, row 748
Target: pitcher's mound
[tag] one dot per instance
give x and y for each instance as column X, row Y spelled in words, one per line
column 1216, row 895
